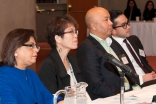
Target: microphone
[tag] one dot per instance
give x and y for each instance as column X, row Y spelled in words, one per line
column 126, row 69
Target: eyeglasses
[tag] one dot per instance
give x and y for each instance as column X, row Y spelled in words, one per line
column 72, row 32
column 124, row 25
column 32, row 46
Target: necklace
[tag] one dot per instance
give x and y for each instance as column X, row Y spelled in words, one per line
column 26, row 75
column 72, row 73
column 26, row 78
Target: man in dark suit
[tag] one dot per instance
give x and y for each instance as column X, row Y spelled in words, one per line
column 102, row 77
column 129, row 48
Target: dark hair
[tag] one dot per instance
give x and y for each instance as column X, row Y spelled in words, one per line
column 113, row 15
column 56, row 26
column 128, row 7
column 146, row 8
column 12, row 42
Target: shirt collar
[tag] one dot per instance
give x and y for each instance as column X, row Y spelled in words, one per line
column 96, row 37
column 119, row 40
column 108, row 40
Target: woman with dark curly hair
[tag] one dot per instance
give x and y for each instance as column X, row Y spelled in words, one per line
column 149, row 11
column 132, row 11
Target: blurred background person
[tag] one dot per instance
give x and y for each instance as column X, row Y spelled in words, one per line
column 132, row 11
column 60, row 69
column 149, row 11
column 18, row 84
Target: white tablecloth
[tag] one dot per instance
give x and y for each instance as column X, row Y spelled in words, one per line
column 133, row 97
column 146, row 31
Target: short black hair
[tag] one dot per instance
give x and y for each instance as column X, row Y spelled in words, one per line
column 56, row 26
column 113, row 15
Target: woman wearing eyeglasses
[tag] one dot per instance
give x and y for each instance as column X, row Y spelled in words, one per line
column 18, row 84
column 60, row 69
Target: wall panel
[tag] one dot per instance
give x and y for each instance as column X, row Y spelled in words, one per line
column 16, row 14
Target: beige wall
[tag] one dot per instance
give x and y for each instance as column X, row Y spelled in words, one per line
column 22, row 14
column 121, row 4
column 16, row 14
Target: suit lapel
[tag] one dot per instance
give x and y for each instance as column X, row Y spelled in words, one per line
column 120, row 51
column 134, row 45
column 59, row 64
column 112, row 67
column 97, row 44
column 117, row 49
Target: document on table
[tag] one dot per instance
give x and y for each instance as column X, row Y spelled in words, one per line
column 142, row 96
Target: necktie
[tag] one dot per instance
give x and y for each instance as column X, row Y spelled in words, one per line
column 134, row 56
column 126, row 82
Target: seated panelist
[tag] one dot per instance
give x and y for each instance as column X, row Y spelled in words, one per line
column 129, row 49
column 60, row 69
column 19, row 84
column 103, row 78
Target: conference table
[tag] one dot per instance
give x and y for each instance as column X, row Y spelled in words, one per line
column 146, row 31
column 142, row 96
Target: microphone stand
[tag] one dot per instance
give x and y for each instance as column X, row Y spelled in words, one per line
column 122, row 74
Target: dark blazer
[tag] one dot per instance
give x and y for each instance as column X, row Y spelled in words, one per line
column 136, row 44
column 102, row 77
column 135, row 12
column 53, row 74
column 149, row 15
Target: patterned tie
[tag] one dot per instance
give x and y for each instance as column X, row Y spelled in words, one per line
column 134, row 56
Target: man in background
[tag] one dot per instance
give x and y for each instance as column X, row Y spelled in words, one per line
column 129, row 49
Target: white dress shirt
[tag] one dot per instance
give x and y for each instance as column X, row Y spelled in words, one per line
column 107, row 47
column 137, row 68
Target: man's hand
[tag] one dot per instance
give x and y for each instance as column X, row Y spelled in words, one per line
column 149, row 76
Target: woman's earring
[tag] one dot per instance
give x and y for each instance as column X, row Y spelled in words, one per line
column 60, row 50
column 15, row 54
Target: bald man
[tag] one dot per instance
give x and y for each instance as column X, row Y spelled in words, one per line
column 102, row 77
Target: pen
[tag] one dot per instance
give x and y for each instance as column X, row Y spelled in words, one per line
column 126, row 98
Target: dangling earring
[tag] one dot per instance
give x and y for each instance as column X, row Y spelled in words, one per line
column 60, row 50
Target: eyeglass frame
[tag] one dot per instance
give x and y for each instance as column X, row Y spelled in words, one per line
column 124, row 25
column 72, row 32
column 32, row 46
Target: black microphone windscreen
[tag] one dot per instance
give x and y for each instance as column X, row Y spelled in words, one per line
column 110, row 58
